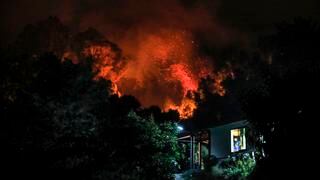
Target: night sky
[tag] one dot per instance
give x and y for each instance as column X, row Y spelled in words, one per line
column 253, row 16
column 246, row 16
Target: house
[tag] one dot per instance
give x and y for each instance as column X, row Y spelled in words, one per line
column 219, row 141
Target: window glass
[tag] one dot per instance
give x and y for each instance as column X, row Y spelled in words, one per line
column 238, row 139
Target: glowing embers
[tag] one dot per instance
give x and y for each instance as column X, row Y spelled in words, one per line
column 238, row 139
column 105, row 60
column 185, row 109
column 162, row 69
column 183, row 74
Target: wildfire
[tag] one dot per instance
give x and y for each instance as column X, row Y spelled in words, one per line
column 185, row 109
column 163, row 69
column 183, row 74
column 105, row 61
column 219, row 78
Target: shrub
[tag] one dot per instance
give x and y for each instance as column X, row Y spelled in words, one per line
column 238, row 167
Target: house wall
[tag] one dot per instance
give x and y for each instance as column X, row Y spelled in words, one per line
column 220, row 141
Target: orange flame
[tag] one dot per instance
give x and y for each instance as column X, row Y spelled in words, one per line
column 185, row 109
column 162, row 69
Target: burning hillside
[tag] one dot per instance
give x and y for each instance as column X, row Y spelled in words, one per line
column 164, row 71
column 163, row 68
column 155, row 50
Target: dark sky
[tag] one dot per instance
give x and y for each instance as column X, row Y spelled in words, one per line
column 257, row 15
column 248, row 16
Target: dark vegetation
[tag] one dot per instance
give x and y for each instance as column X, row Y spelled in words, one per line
column 276, row 89
column 284, row 107
column 58, row 123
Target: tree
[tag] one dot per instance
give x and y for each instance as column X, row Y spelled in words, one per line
column 282, row 108
column 58, row 121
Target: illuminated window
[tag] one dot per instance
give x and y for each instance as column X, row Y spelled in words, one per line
column 238, row 139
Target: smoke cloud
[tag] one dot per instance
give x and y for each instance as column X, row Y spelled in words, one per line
column 160, row 40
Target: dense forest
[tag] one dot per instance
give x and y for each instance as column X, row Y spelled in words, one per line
column 58, row 120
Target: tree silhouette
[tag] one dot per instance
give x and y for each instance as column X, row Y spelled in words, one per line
column 59, row 121
column 282, row 108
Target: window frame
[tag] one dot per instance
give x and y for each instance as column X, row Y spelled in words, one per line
column 245, row 136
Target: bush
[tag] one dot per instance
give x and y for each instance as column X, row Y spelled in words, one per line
column 238, row 167
column 210, row 161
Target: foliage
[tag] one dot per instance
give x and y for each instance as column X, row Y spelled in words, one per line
column 282, row 107
column 152, row 146
column 209, row 162
column 57, row 120
column 238, row 167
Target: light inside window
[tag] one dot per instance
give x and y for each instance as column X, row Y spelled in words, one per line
column 238, row 139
